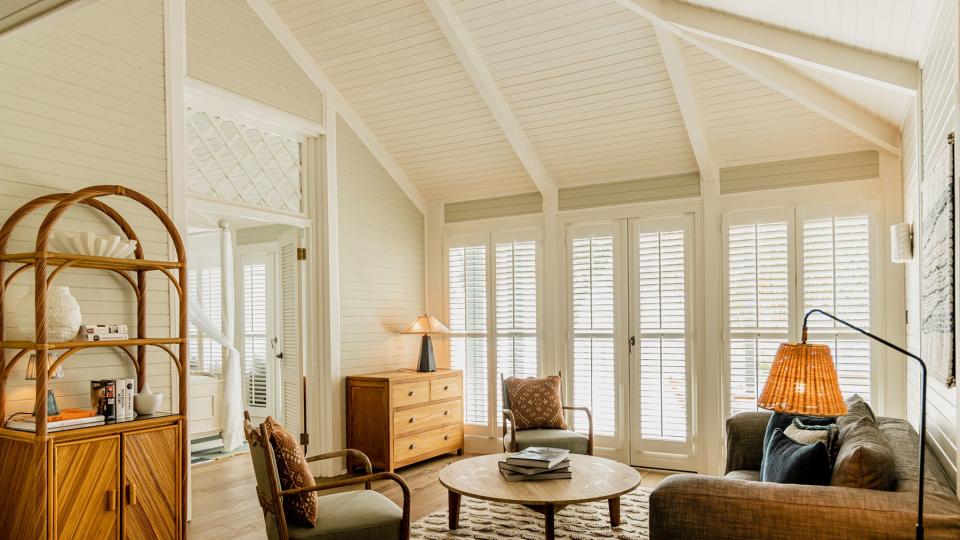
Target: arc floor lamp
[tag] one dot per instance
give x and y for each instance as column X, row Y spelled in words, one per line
column 803, row 380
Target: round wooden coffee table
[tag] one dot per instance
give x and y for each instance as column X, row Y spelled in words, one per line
column 594, row 479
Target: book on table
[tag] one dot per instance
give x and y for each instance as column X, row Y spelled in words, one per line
column 538, row 456
column 563, row 466
column 73, row 418
column 536, row 463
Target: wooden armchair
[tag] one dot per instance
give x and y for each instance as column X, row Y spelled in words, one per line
column 349, row 515
column 514, row 440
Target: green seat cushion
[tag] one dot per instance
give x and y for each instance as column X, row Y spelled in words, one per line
column 353, row 515
column 554, row 438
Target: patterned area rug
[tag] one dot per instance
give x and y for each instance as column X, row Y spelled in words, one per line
column 491, row 520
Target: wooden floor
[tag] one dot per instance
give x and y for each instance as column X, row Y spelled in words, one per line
column 225, row 502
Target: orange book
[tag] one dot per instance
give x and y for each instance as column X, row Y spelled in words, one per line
column 70, row 414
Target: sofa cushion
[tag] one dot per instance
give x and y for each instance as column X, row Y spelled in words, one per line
column 782, row 420
column 536, row 402
column 857, row 408
column 354, row 515
column 753, row 476
column 576, row 443
column 806, row 434
column 865, row 459
column 790, row 462
column 294, row 472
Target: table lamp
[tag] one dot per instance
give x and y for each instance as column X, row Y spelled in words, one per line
column 803, row 380
column 426, row 325
column 52, row 408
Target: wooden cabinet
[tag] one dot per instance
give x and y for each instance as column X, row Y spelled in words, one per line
column 401, row 417
column 113, row 481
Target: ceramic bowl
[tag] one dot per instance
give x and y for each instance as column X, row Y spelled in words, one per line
column 88, row 243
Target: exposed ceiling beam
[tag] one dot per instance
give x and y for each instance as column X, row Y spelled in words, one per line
column 310, row 66
column 781, row 78
column 473, row 63
column 898, row 75
column 689, row 109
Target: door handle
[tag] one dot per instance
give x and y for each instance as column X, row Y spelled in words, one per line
column 111, row 500
column 632, row 343
column 132, row 494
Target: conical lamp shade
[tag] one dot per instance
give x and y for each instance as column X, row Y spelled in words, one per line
column 803, row 380
column 427, row 324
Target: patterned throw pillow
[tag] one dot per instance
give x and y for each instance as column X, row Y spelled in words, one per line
column 294, row 472
column 536, row 403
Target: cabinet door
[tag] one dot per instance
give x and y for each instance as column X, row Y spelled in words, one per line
column 151, row 483
column 87, row 488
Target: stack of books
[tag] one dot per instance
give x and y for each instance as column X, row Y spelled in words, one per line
column 537, row 463
column 104, row 332
column 67, row 419
column 113, row 398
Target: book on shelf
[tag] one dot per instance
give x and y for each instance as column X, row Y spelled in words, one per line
column 538, row 456
column 103, row 398
column 95, row 329
column 29, row 423
column 563, row 466
column 105, row 337
column 125, row 390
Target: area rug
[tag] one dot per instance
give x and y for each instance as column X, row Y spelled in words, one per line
column 491, row 520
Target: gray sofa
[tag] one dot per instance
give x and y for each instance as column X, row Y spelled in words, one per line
column 739, row 506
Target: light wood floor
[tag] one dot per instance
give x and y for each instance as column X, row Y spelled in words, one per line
column 225, row 502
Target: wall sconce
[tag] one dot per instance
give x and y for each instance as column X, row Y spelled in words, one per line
column 901, row 243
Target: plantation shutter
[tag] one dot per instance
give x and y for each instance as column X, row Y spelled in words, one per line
column 292, row 362
column 516, row 311
column 255, row 346
column 594, row 358
column 759, row 305
column 661, row 305
column 467, row 303
column 836, row 279
column 206, row 355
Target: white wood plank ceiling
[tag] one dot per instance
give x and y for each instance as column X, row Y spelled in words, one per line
column 482, row 98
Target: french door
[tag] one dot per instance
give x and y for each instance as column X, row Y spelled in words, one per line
column 258, row 331
column 632, row 335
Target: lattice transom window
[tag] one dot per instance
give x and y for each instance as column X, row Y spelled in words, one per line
column 237, row 163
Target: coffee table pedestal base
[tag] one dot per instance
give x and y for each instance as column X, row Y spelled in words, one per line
column 549, row 512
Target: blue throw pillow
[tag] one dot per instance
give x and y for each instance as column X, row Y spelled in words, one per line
column 782, row 420
column 790, row 462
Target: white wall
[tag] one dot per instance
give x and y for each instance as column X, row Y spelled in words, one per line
column 939, row 117
column 82, row 103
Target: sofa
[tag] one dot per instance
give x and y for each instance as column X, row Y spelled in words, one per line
column 739, row 505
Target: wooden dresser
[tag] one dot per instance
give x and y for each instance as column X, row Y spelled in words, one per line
column 401, row 417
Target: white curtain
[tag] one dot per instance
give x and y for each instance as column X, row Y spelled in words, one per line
column 232, row 429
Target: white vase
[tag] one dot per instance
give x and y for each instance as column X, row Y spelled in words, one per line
column 146, row 402
column 63, row 315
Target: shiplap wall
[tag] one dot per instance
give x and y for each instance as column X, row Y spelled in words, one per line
column 229, row 46
column 381, row 263
column 13, row 13
column 511, row 205
column 939, row 118
column 676, row 186
column 801, row 172
column 82, row 103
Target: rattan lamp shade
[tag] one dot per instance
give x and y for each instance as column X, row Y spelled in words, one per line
column 803, row 380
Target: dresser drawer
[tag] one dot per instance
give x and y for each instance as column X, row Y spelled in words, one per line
column 411, row 393
column 447, row 387
column 427, row 417
column 447, row 438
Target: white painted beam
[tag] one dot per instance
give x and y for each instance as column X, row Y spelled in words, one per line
column 310, row 66
column 781, row 78
column 689, row 109
column 898, row 75
column 469, row 55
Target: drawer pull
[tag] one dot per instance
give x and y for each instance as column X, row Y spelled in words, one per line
column 411, row 419
column 446, row 387
column 446, row 413
column 410, row 394
column 411, row 447
column 446, row 437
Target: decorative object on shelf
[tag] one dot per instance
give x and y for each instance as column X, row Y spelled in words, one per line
column 145, row 401
column 937, row 272
column 803, row 381
column 426, row 325
column 52, row 408
column 63, row 315
column 901, row 243
column 89, row 243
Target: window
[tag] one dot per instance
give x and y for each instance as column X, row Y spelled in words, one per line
column 832, row 269
column 255, row 331
column 594, row 358
column 206, row 355
column 467, row 304
column 661, row 313
column 510, row 348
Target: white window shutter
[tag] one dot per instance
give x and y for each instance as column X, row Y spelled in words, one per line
column 516, row 311
column 594, row 358
column 661, row 295
column 291, row 372
column 467, row 302
column 759, row 306
column 255, row 346
column 206, row 355
column 836, row 279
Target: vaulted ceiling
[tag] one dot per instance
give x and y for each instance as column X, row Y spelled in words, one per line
column 482, row 98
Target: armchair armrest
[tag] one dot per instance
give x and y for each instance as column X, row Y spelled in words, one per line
column 508, row 417
column 367, row 480
column 589, row 425
column 745, row 441
column 360, row 456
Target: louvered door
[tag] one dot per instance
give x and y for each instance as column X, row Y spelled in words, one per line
column 258, row 325
column 291, row 358
column 662, row 332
